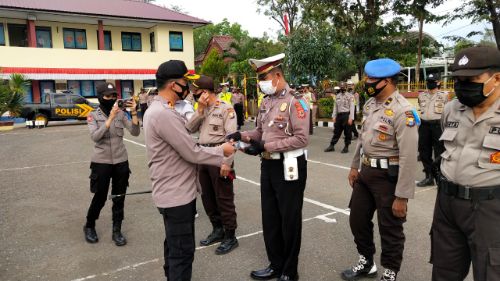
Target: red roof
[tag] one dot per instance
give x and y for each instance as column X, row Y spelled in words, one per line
column 108, row 8
column 225, row 41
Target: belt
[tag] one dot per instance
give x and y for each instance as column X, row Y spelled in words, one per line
column 280, row 155
column 380, row 163
column 432, row 122
column 342, row 113
column 211, row 144
column 468, row 192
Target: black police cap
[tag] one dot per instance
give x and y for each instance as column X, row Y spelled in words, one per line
column 474, row 61
column 433, row 77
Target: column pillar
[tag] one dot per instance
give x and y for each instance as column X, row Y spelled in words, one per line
column 118, row 86
column 31, row 33
column 35, row 87
column 100, row 30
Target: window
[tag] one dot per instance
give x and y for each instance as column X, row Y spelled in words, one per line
column 60, row 99
column 74, row 38
column 86, row 88
column 175, row 39
column 131, row 41
column 18, row 35
column 43, row 37
column 148, row 83
column 2, row 35
column 152, row 41
column 107, row 40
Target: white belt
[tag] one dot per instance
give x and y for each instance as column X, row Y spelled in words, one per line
column 289, row 154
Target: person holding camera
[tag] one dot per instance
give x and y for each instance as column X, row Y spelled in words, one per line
column 109, row 163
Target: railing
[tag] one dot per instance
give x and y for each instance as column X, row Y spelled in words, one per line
column 421, row 86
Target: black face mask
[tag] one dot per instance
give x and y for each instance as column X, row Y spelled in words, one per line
column 184, row 89
column 196, row 97
column 106, row 105
column 371, row 88
column 432, row 85
column 471, row 93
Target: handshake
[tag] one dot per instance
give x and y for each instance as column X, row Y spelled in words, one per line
column 254, row 147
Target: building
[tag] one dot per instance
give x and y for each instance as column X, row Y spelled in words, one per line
column 223, row 44
column 73, row 44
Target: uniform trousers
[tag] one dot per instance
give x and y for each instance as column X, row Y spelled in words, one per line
column 217, row 197
column 465, row 231
column 240, row 115
column 373, row 191
column 281, row 203
column 342, row 125
column 100, row 177
column 429, row 133
column 179, row 245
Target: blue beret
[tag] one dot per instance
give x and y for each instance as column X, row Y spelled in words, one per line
column 382, row 68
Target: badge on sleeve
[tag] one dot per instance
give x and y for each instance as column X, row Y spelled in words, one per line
column 283, row 107
column 495, row 158
column 304, row 105
column 231, row 114
column 410, row 122
column 300, row 110
column 90, row 118
column 382, row 137
column 389, row 112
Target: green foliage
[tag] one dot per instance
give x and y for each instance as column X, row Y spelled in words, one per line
column 325, row 107
column 275, row 9
column 214, row 67
column 12, row 93
column 202, row 35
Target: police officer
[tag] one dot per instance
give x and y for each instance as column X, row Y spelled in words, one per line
column 109, row 161
column 431, row 105
column 238, row 99
column 214, row 119
column 388, row 139
column 280, row 138
column 173, row 157
column 343, row 116
column 355, row 96
column 466, row 220
column 225, row 95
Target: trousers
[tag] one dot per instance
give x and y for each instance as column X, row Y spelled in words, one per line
column 428, row 142
column 342, row 125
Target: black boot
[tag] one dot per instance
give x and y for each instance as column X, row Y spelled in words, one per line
column 364, row 268
column 389, row 275
column 216, row 236
column 117, row 234
column 428, row 181
column 229, row 243
column 345, row 150
column 90, row 234
column 267, row 273
column 330, row 148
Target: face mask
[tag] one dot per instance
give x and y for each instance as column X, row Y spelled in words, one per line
column 371, row 88
column 349, row 89
column 267, row 87
column 183, row 93
column 196, row 97
column 106, row 105
column 432, row 85
column 471, row 93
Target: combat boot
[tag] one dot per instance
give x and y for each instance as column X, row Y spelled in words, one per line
column 330, row 148
column 364, row 268
column 216, row 236
column 428, row 181
column 118, row 237
column 389, row 275
column 345, row 150
column 90, row 234
column 229, row 243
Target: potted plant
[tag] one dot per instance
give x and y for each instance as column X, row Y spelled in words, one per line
column 12, row 93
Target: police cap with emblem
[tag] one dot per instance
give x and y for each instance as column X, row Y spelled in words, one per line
column 474, row 61
column 173, row 69
column 106, row 89
column 263, row 66
column 204, row 83
column 433, row 77
column 382, row 68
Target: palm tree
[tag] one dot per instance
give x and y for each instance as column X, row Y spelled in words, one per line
column 12, row 94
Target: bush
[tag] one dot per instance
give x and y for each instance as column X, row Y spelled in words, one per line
column 325, row 107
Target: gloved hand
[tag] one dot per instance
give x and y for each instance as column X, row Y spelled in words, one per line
column 255, row 148
column 234, row 136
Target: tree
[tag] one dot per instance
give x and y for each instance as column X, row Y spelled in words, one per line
column 203, row 34
column 276, row 9
column 12, row 93
column 214, row 66
column 478, row 11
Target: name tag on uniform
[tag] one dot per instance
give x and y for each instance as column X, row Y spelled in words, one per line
column 452, row 124
column 495, row 130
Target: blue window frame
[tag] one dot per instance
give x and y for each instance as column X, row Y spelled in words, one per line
column 86, row 88
column 2, row 35
column 43, row 37
column 131, row 42
column 28, row 98
column 176, row 41
column 75, row 38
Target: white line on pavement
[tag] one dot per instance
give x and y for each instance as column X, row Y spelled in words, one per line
column 328, row 164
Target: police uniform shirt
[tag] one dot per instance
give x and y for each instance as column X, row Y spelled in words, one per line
column 185, row 109
column 472, row 146
column 432, row 105
column 109, row 147
column 216, row 122
column 173, row 155
column 388, row 130
column 282, row 123
column 344, row 102
column 237, row 98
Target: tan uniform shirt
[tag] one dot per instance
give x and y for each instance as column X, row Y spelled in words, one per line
column 216, row 122
column 388, row 130
column 109, row 147
column 237, row 98
column 173, row 156
column 432, row 105
column 344, row 102
column 282, row 123
column 472, row 155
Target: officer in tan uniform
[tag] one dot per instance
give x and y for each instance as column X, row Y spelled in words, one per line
column 466, row 220
column 109, row 161
column 215, row 119
column 280, row 138
column 238, row 99
column 343, row 117
column 431, row 105
column 388, row 154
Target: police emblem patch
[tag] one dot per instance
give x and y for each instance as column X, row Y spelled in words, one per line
column 463, row 61
column 90, row 118
column 283, row 107
column 300, row 110
column 382, row 137
column 389, row 112
column 495, row 158
column 410, row 122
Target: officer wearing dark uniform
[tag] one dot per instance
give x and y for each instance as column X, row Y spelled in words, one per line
column 388, row 139
column 214, row 119
column 280, row 138
column 431, row 105
column 466, row 220
column 109, row 161
column 343, row 117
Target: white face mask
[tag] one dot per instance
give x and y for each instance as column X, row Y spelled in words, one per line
column 267, row 87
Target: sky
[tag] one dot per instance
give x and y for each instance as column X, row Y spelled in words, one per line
column 245, row 13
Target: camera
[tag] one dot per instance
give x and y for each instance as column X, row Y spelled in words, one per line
column 122, row 104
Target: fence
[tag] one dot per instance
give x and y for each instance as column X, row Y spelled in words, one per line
column 421, row 86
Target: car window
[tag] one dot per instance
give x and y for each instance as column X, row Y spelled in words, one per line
column 60, row 99
column 75, row 99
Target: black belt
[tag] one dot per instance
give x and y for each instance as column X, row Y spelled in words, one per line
column 342, row 113
column 211, row 144
column 431, row 122
column 468, row 192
